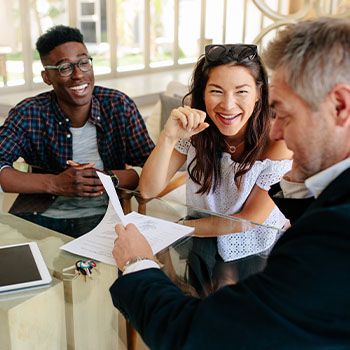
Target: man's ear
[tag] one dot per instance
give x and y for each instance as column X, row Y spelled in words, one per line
column 341, row 99
column 45, row 77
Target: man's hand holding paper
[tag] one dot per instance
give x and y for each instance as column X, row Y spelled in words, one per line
column 148, row 235
column 129, row 244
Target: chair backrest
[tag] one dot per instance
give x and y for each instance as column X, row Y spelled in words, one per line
column 3, row 113
column 171, row 99
column 167, row 104
column 168, row 100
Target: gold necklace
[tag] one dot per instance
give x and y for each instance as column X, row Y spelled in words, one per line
column 232, row 149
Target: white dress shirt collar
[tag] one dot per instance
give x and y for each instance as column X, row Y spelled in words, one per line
column 317, row 183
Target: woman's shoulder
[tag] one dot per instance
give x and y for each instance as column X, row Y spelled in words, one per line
column 276, row 150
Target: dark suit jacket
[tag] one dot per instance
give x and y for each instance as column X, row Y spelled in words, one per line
column 300, row 301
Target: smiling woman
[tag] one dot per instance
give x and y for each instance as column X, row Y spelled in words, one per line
column 230, row 96
column 231, row 162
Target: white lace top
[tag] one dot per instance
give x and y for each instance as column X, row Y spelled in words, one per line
column 227, row 199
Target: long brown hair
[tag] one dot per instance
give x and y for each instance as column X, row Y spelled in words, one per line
column 205, row 168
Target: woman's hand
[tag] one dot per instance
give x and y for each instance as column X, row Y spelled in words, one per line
column 185, row 122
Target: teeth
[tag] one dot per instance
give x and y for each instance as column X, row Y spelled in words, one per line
column 229, row 116
column 79, row 87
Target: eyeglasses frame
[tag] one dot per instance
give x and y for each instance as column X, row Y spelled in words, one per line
column 72, row 64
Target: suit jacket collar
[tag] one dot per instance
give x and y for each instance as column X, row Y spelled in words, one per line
column 291, row 208
column 337, row 191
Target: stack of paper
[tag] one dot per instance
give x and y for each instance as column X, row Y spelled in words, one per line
column 98, row 243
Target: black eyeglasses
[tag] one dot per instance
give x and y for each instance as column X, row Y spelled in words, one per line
column 238, row 52
column 66, row 69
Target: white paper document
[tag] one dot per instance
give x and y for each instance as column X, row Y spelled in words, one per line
column 98, row 243
column 112, row 194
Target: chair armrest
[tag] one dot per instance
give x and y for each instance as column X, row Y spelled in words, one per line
column 178, row 180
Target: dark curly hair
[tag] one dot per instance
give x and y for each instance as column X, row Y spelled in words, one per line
column 205, row 169
column 56, row 36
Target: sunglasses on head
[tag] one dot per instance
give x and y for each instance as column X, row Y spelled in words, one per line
column 238, row 52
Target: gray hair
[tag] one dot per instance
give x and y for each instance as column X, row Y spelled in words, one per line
column 314, row 55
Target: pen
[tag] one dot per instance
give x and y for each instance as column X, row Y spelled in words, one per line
column 74, row 163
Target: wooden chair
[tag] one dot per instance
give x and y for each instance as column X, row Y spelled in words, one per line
column 4, row 50
column 178, row 180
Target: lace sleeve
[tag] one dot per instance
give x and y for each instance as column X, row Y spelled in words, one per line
column 183, row 146
column 273, row 172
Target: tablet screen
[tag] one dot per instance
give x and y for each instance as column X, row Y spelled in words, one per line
column 17, row 265
column 22, row 266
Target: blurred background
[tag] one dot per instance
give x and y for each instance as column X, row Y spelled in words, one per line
column 130, row 37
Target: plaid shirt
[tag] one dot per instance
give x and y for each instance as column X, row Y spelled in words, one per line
column 38, row 131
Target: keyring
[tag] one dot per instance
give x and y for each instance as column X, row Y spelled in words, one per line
column 85, row 267
column 81, row 267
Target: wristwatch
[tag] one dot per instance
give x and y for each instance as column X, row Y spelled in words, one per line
column 133, row 261
column 137, row 259
column 114, row 178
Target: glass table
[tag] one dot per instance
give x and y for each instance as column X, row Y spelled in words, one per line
column 74, row 313
column 194, row 262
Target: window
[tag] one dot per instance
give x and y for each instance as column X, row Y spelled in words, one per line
column 128, row 36
column 161, row 33
column 43, row 15
column 11, row 49
column 92, row 21
column 189, row 43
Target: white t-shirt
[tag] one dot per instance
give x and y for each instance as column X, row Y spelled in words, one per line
column 228, row 199
column 85, row 150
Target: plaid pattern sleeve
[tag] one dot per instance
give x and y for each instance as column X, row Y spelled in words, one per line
column 11, row 144
column 37, row 131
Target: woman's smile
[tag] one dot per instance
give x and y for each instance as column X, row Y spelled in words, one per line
column 230, row 97
column 228, row 119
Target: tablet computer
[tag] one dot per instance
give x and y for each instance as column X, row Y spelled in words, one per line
column 22, row 266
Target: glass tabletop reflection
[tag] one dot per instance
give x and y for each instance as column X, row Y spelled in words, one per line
column 198, row 264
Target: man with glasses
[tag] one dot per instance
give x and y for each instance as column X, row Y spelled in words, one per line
column 69, row 132
column 301, row 299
